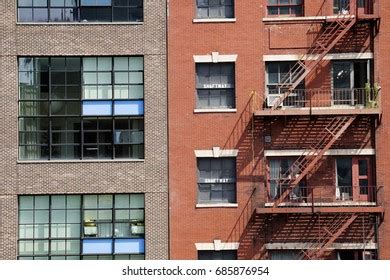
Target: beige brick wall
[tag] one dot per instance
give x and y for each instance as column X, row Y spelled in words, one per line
column 148, row 176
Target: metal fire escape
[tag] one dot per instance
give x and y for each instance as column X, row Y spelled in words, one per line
column 333, row 30
column 331, row 34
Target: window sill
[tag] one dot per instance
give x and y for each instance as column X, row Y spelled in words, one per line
column 203, row 111
column 216, row 205
column 81, row 23
column 80, row 161
column 303, row 18
column 213, row 20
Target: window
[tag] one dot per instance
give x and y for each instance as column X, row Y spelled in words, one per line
column 81, row 108
column 340, row 6
column 215, row 8
column 354, row 179
column 284, row 255
column 217, row 255
column 279, row 169
column 285, row 7
column 279, row 74
column 215, row 85
column 81, row 226
column 349, row 81
column 216, row 180
column 80, row 10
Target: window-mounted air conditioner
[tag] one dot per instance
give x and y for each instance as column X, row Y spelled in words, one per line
column 137, row 229
column 272, row 99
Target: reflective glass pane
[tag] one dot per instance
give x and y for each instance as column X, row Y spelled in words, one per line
column 41, row 231
column 136, row 63
column 42, row 202
column 89, row 64
column 73, row 201
column 137, row 201
column 58, row 230
column 26, row 202
column 41, row 247
column 41, row 216
column 122, row 200
column 26, row 231
column 73, row 216
column 58, row 216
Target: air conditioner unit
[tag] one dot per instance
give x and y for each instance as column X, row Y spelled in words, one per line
column 90, row 230
column 272, row 99
column 345, row 196
column 135, row 229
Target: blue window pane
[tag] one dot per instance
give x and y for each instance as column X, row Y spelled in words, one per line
column 40, row 14
column 97, row 246
column 25, row 15
column 25, row 3
column 97, row 108
column 129, row 246
column 126, row 107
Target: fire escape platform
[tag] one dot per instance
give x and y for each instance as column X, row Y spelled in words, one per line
column 316, row 209
column 317, row 111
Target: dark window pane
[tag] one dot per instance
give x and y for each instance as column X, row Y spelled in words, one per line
column 58, row 63
column 58, row 108
column 135, row 14
column 73, row 64
column 103, row 14
column 88, row 14
column 121, row 2
column 73, row 78
column 58, row 92
column 58, row 78
column 120, row 14
column 73, row 92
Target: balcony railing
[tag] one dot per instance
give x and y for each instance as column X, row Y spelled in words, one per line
column 357, row 98
column 303, row 196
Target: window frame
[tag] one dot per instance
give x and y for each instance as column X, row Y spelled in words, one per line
column 81, row 222
column 78, row 9
column 229, row 91
column 224, row 182
column 136, row 151
column 208, row 6
column 290, row 6
column 213, row 254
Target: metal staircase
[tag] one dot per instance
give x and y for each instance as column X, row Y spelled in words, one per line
column 309, row 158
column 331, row 34
column 316, row 248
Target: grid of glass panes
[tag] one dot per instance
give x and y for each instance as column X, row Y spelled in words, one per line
column 216, row 180
column 285, row 7
column 53, row 227
column 80, row 10
column 280, row 73
column 51, row 124
column 215, row 8
column 215, row 85
column 49, row 227
column 119, row 216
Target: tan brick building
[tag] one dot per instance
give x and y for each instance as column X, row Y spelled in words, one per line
column 278, row 129
column 83, row 130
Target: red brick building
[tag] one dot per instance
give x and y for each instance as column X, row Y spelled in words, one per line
column 277, row 129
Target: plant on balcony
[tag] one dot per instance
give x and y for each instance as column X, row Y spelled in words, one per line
column 372, row 95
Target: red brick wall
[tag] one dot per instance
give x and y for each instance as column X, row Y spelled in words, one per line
column 249, row 37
